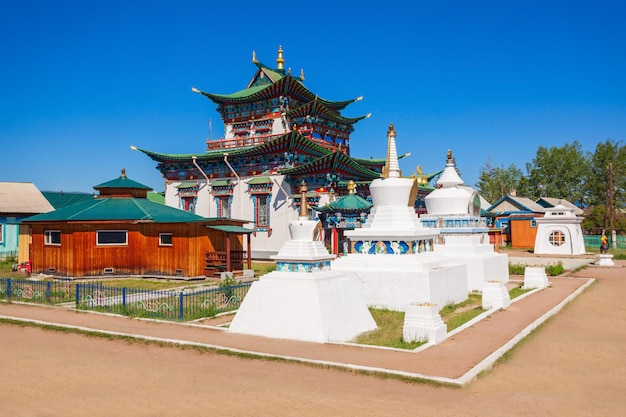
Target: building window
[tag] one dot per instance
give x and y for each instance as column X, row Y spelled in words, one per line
column 111, row 237
column 262, row 218
column 556, row 238
column 223, row 206
column 165, row 239
column 52, row 237
column 533, row 223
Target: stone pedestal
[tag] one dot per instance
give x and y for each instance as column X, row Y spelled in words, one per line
column 535, row 277
column 495, row 295
column 422, row 322
column 604, row 259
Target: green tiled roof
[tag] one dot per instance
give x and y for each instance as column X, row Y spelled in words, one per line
column 336, row 162
column 120, row 209
column 156, row 197
column 260, row 180
column 187, row 184
column 350, row 202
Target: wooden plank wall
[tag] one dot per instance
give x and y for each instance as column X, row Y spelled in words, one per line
column 78, row 254
column 522, row 235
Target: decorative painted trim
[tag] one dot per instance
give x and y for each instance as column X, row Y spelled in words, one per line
column 301, row 266
column 393, row 247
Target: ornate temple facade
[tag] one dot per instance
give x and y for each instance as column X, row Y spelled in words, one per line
column 277, row 134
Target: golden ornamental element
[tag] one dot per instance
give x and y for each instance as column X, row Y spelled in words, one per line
column 280, row 61
column 254, row 60
column 304, row 207
column 449, row 155
column 302, row 74
column 351, row 187
column 123, row 173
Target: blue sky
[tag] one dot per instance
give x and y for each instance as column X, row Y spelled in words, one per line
column 81, row 81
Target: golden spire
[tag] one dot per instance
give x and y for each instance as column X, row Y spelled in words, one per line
column 351, row 187
column 304, row 207
column 280, row 61
column 254, row 61
column 123, row 173
column 391, row 145
column 302, row 74
column 449, row 155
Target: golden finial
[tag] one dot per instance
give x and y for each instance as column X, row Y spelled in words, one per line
column 351, row 187
column 302, row 74
column 280, row 61
column 289, row 70
column 254, row 61
column 123, row 173
column 304, row 207
column 449, row 156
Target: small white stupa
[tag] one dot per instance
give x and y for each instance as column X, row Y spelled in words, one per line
column 393, row 255
column 559, row 232
column 454, row 209
column 303, row 299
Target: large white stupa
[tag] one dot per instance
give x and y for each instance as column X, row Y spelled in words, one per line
column 454, row 210
column 393, row 255
column 303, row 299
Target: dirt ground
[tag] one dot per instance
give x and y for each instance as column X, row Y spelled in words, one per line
column 571, row 366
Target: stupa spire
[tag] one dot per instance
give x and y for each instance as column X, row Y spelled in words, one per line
column 392, row 168
column 450, row 176
column 304, row 208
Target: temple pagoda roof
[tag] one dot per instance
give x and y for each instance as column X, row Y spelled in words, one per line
column 319, row 108
column 336, row 162
column 268, row 82
column 289, row 142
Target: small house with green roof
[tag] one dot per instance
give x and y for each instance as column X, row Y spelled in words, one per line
column 121, row 232
column 277, row 133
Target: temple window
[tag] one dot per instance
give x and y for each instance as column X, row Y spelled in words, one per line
column 260, row 189
column 223, row 206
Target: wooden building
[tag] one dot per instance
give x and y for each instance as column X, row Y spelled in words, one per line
column 516, row 216
column 121, row 232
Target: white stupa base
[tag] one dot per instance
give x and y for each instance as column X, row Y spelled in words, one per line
column 535, row 277
column 319, row 307
column 395, row 281
column 483, row 264
column 495, row 295
column 605, row 259
column 422, row 322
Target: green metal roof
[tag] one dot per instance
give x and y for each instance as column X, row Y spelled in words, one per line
column 120, row 209
column 232, row 229
column 336, row 162
column 220, row 183
column 61, row 199
column 122, row 182
column 156, row 197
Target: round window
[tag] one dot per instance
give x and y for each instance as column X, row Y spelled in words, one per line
column 556, row 238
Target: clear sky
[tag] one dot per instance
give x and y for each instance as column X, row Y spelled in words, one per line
column 81, row 81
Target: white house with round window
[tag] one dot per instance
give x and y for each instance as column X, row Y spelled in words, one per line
column 559, row 232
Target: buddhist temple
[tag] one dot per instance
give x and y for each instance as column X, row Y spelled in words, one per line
column 277, row 134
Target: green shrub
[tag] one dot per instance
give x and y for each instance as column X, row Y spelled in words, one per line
column 554, row 270
column 516, row 269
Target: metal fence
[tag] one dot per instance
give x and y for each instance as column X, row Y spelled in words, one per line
column 50, row 292
column 8, row 254
column 160, row 304
column 593, row 241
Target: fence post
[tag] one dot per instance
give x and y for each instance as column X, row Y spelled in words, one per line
column 124, row 297
column 48, row 285
column 180, row 305
column 9, row 289
column 78, row 286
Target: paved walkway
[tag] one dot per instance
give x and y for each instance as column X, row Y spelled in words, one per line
column 456, row 361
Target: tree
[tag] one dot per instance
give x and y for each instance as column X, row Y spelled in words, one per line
column 559, row 172
column 495, row 182
column 608, row 152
